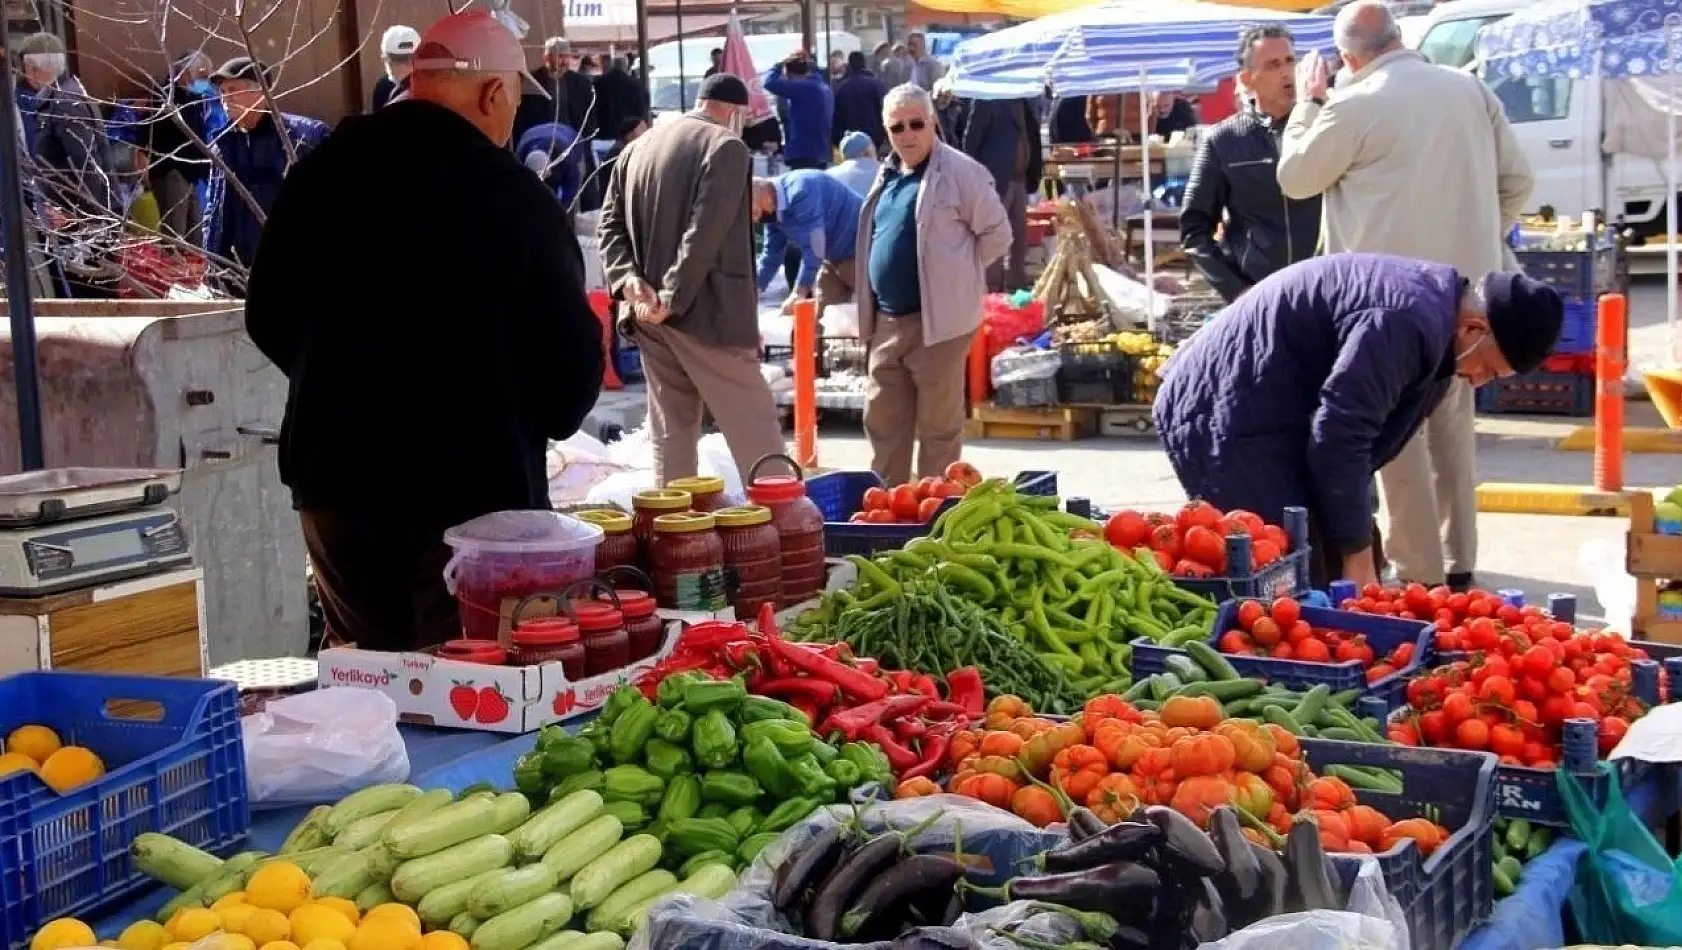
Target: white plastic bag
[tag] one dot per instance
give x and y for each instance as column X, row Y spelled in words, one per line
column 322, row 745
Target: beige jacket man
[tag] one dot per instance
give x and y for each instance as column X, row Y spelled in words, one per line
column 1416, row 160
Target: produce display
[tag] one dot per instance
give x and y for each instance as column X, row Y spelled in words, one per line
column 1192, row 541
column 1516, row 843
column 1277, row 630
column 37, row 748
column 918, row 502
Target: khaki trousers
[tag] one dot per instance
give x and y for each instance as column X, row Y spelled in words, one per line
column 686, row 375
column 916, row 398
column 836, row 283
column 1429, row 495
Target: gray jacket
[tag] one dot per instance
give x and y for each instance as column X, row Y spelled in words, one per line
column 72, row 154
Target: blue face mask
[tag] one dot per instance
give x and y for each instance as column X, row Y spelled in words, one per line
column 202, row 87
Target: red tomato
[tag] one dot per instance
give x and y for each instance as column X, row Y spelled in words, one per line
column 1127, row 530
column 1457, row 707
column 1506, row 740
column 1234, row 641
column 1264, row 552
column 963, row 473
column 1203, row 545
column 875, row 499
column 1166, row 539
column 1612, row 731
column 926, row 487
column 1197, row 514
column 1471, row 734
column 1498, row 690
column 1313, row 650
column 1285, row 612
column 1265, row 631
column 1299, row 632
column 1249, row 611
column 928, row 508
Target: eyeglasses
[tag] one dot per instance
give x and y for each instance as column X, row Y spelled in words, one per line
column 915, row 125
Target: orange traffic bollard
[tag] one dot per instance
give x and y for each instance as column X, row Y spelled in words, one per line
column 977, row 371
column 1610, row 337
column 806, row 383
column 602, row 304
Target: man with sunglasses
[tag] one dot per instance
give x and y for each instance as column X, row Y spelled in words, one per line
column 927, row 232
column 1317, row 377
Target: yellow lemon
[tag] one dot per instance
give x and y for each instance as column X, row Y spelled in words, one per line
column 178, row 945
column 444, row 940
column 278, row 885
column 226, row 941
column 289, row 945
column 267, row 926
column 194, row 923
column 71, row 767
column 385, row 933
column 235, row 917
column 63, row 932
column 37, row 742
column 143, row 935
column 16, row 762
column 343, row 906
column 228, row 900
column 109, row 943
column 402, row 912
column 316, row 919
column 321, row 943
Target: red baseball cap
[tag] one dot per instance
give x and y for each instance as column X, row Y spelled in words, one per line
column 473, row 41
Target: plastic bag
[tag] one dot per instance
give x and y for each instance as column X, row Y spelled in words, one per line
column 322, row 745
column 1316, row 930
column 1628, row 890
column 1021, row 364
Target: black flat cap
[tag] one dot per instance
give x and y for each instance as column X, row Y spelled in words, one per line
column 1525, row 315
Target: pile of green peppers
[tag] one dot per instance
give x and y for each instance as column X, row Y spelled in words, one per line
column 705, row 767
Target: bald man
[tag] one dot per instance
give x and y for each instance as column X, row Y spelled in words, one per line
column 1413, row 160
column 422, row 293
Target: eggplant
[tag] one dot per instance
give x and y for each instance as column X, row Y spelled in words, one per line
column 1126, row 841
column 1123, row 890
column 1240, row 881
column 953, row 910
column 934, row 938
column 1208, row 921
column 1184, row 843
column 1130, row 938
column 901, row 884
column 1083, row 823
column 1271, row 900
column 806, row 867
column 849, row 879
column 1307, row 871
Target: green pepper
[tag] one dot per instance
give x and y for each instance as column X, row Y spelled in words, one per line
column 568, row 756
column 692, row 836
column 714, row 740
column 872, row 762
column 528, row 774
column 703, row 859
column 632, row 816
column 621, row 700
column 810, row 778
column 753, row 845
column 673, row 725
column 825, row 752
column 592, row 780
column 715, row 809
column 666, row 759
column 631, row 731
column 768, row 767
column 790, row 737
column 786, row 815
column 756, row 708
column 745, row 819
column 703, row 696
column 682, row 798
column 598, row 735
column 669, row 694
column 632, row 783
column 548, row 736
column 845, row 774
column 730, row 788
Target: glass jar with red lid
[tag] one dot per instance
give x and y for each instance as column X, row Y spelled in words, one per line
column 636, row 603
column 753, row 557
column 618, row 547
column 487, row 652
column 799, row 524
column 651, row 504
column 706, row 492
column 686, row 560
column 550, row 640
column 607, row 647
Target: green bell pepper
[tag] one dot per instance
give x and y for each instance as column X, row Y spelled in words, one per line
column 756, row 708
column 810, row 778
column 682, row 799
column 593, row 780
column 715, row 809
column 528, row 774
column 845, row 774
column 673, row 725
column 729, row 788
column 825, row 752
column 632, row 783
column 665, row 759
column 745, row 819
column 631, row 731
column 692, row 836
column 703, row 859
column 714, row 740
column 669, row 694
column 632, row 816
column 753, row 845
column 568, row 756
column 872, row 762
column 790, row 737
column 621, row 699
column 598, row 734
column 768, row 767
column 786, row 815
column 703, row 696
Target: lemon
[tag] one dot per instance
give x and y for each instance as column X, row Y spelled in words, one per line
column 71, row 767
column 225, row 941
column 267, row 926
column 236, row 917
column 63, row 932
column 194, row 923
column 37, row 742
column 109, row 943
column 386, row 932
column 318, row 944
column 178, row 945
column 229, row 900
column 143, row 935
column 401, row 912
column 444, row 940
column 278, row 885
column 316, row 919
column 343, row 906
column 16, row 762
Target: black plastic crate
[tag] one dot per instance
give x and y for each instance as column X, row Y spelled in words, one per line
column 1538, row 394
column 1025, row 393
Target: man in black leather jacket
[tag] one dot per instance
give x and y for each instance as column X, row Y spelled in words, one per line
column 1233, row 184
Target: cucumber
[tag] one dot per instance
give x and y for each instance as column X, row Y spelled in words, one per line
column 540, row 832
column 428, row 802
column 345, row 877
column 634, row 856
column 571, row 854
column 463, row 821
column 511, row 809
column 1207, row 657
column 509, row 889
column 464, row 924
column 615, row 913
column 309, row 834
column 415, row 878
column 371, row 897
column 363, row 832
column 524, row 925
column 556, row 941
column 443, row 903
column 232, row 871
column 172, row 862
column 369, row 801
column 600, row 940
column 383, row 863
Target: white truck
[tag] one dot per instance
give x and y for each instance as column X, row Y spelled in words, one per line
column 665, row 75
column 1587, row 150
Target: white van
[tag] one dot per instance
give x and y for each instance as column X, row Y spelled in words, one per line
column 1562, row 125
column 766, row 49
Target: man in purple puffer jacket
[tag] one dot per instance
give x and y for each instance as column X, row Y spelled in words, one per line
column 1309, row 383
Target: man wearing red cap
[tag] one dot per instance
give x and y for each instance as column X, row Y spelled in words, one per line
column 425, row 382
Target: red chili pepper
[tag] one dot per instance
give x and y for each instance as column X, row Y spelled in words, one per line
column 901, row 680
column 943, row 710
column 741, row 654
column 867, row 665
column 908, row 727
column 813, row 714
column 925, row 685
column 934, row 752
column 949, row 728
column 852, row 722
column 816, row 691
column 899, row 757
column 963, row 687
column 712, row 634
column 856, row 684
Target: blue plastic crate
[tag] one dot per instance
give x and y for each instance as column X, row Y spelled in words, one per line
column 628, row 363
column 841, row 494
column 1446, row 894
column 1574, row 273
column 1576, row 334
column 1538, row 394
column 1282, row 578
column 1384, row 633
column 175, row 764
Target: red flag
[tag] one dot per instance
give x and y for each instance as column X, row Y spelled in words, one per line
column 739, row 63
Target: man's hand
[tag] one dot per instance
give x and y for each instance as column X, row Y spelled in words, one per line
column 644, row 302
column 1359, row 568
column 1313, row 78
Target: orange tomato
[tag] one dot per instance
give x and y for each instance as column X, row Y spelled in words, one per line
column 1198, row 795
column 1332, row 794
column 1423, row 833
column 1196, row 712
column 1113, row 798
column 1078, row 769
column 916, row 788
column 1206, row 754
column 1036, row 806
column 995, row 790
column 1007, row 744
column 1252, row 747
column 1107, row 706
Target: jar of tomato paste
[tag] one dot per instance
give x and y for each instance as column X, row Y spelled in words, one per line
column 753, row 557
column 607, row 647
column 651, row 504
column 706, row 492
column 473, row 651
column 799, row 524
column 635, row 590
column 686, row 560
column 619, row 547
column 550, row 640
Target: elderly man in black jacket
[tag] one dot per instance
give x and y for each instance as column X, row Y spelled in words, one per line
column 1004, row 136
column 1233, row 181
column 858, row 103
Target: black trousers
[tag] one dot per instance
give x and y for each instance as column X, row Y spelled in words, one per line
column 380, row 579
column 1325, row 564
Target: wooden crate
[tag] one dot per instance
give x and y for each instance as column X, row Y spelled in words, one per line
column 1058, row 423
column 1652, row 559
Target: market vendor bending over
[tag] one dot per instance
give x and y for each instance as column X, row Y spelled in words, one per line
column 817, row 215
column 1297, row 393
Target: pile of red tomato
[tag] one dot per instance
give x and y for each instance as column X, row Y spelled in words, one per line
column 1452, row 612
column 1192, row 541
column 1278, row 631
column 916, row 502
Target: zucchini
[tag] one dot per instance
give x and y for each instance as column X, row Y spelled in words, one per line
column 233, row 871
column 571, row 854
column 558, row 940
column 600, row 940
column 524, row 925
column 712, row 882
column 628, row 859
column 363, row 832
column 445, row 902
column 172, row 862
column 540, row 832
column 346, row 876
column 615, row 913
column 463, row 925
column 369, row 801
column 428, row 802
column 510, row 810
column 311, row 862
column 415, row 878
column 309, row 834
column 371, row 897
column 465, row 820
column 382, row 861
column 509, row 889
column 224, row 882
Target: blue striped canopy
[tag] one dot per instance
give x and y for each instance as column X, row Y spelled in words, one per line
column 1565, row 37
column 1103, row 48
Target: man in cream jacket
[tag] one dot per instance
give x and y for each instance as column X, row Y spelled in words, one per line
column 1415, row 160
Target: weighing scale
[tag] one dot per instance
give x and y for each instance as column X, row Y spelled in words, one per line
column 73, row 528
